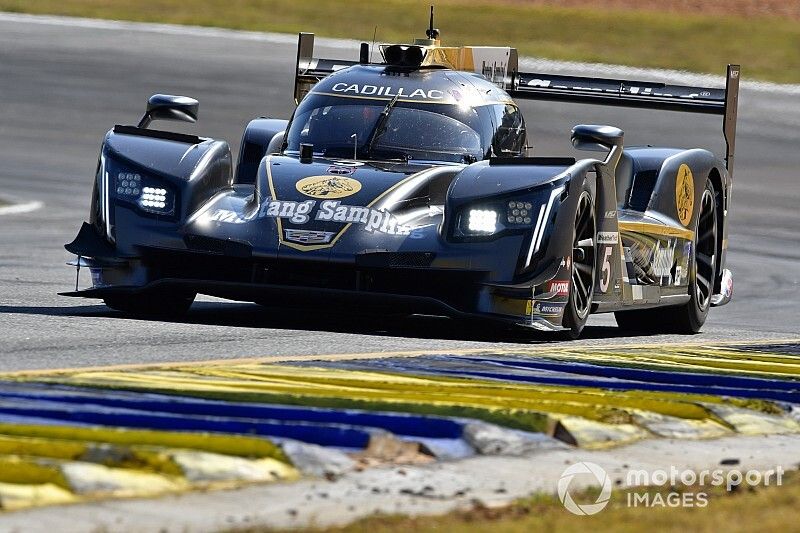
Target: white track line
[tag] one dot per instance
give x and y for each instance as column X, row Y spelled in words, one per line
column 18, row 209
column 535, row 64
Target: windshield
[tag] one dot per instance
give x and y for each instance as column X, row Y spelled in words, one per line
column 344, row 127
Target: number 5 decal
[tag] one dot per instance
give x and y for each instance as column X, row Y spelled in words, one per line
column 605, row 271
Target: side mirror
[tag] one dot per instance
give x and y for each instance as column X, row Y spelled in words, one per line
column 596, row 138
column 168, row 107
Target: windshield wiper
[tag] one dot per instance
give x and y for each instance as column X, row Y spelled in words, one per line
column 380, row 125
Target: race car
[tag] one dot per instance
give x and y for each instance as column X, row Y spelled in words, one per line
column 405, row 186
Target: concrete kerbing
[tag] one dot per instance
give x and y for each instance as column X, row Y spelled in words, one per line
column 414, row 490
column 317, row 461
column 14, row 496
column 232, row 445
column 489, row 439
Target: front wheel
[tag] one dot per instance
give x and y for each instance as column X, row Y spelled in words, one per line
column 691, row 316
column 162, row 304
column 579, row 303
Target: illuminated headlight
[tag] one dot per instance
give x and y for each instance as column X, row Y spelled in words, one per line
column 153, row 197
column 132, row 187
column 491, row 218
column 482, row 221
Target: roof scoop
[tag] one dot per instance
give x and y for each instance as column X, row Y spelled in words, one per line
column 404, row 55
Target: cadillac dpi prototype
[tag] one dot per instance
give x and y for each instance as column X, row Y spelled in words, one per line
column 405, row 186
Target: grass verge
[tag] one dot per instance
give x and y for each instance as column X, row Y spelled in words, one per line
column 762, row 509
column 767, row 47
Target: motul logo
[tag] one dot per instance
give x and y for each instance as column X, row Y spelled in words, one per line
column 561, row 288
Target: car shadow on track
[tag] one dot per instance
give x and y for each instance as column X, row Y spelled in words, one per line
column 243, row 315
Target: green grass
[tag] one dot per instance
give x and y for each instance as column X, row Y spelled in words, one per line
column 763, row 509
column 767, row 48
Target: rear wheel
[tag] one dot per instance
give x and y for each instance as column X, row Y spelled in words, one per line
column 581, row 289
column 162, row 304
column 691, row 316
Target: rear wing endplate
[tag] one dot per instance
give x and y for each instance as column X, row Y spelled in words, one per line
column 641, row 94
column 309, row 69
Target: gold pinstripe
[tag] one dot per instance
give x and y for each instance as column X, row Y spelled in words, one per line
column 656, row 229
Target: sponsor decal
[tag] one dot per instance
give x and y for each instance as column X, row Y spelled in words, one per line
column 684, row 194
column 611, row 214
column 548, row 309
column 727, row 284
column 302, row 236
column 328, row 186
column 607, row 237
column 296, row 212
column 559, row 287
column 227, row 216
column 340, row 170
column 328, row 211
column 536, row 82
column 387, row 92
column 417, row 233
column 371, row 219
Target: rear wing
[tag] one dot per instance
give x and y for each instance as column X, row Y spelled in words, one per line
column 534, row 86
column 641, row 94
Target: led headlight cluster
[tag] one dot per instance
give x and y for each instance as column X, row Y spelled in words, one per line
column 519, row 212
column 129, row 184
column 485, row 220
column 527, row 213
column 140, row 190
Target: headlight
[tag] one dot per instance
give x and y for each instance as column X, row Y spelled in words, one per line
column 482, row 221
column 153, row 198
column 150, row 196
column 485, row 220
column 527, row 211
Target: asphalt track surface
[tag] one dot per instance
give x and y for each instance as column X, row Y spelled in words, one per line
column 62, row 86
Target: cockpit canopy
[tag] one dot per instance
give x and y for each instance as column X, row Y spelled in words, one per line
column 397, row 125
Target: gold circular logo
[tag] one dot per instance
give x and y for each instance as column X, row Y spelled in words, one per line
column 684, row 194
column 328, row 186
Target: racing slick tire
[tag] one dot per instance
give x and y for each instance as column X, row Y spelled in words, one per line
column 579, row 302
column 690, row 317
column 163, row 305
